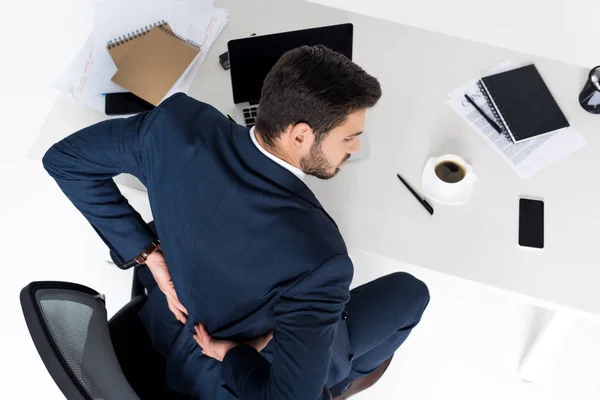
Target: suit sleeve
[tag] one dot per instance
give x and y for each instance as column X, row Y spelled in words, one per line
column 84, row 164
column 305, row 323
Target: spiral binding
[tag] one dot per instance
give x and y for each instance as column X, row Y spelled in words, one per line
column 134, row 34
column 493, row 109
column 186, row 41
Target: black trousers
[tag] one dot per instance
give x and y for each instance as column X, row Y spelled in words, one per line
column 380, row 316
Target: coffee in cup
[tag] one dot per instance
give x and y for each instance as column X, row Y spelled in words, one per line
column 448, row 179
column 450, row 171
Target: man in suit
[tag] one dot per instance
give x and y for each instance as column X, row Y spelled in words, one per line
column 245, row 243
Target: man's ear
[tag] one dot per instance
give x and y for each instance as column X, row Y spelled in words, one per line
column 302, row 136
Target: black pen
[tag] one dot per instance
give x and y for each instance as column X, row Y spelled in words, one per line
column 488, row 119
column 419, row 199
column 231, row 119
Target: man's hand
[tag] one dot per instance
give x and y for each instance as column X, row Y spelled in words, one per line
column 217, row 349
column 158, row 266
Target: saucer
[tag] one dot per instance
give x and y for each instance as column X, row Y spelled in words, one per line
column 433, row 192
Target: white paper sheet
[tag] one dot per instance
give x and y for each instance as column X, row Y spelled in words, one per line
column 88, row 76
column 202, row 12
column 528, row 157
column 180, row 20
column 190, row 18
column 217, row 22
column 76, row 81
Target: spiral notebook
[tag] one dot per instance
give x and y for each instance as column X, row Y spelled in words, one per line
column 522, row 103
column 120, row 46
column 151, row 61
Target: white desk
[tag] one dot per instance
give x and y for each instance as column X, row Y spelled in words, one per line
column 376, row 214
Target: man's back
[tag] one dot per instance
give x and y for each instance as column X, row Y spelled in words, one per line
column 238, row 231
column 248, row 246
column 236, row 228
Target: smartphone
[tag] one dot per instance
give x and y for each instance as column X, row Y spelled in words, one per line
column 125, row 103
column 531, row 223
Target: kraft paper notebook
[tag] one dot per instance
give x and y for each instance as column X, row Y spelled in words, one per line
column 120, row 46
column 153, row 63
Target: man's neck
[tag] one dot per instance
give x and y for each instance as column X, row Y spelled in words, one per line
column 274, row 151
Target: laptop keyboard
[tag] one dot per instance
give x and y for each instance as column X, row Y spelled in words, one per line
column 250, row 115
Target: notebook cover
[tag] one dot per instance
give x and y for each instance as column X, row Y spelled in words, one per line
column 524, row 103
column 154, row 64
column 119, row 50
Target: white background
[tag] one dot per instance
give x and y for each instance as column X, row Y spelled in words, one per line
column 565, row 30
column 470, row 341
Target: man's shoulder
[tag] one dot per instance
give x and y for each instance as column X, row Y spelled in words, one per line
column 182, row 104
column 188, row 117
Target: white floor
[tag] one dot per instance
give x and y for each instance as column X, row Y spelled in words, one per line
column 471, row 341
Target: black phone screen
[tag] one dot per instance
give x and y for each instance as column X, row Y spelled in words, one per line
column 531, row 223
column 125, row 104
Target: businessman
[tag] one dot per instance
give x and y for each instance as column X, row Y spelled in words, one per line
column 248, row 276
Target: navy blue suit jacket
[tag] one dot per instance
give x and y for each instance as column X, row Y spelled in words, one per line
column 249, row 248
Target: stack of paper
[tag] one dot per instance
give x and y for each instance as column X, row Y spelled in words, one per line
column 88, row 77
column 527, row 157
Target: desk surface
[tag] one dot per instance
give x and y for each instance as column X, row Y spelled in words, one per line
column 417, row 69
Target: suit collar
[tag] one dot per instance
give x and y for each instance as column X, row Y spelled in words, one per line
column 294, row 170
column 267, row 168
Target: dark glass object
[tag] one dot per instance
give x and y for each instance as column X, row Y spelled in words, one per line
column 589, row 98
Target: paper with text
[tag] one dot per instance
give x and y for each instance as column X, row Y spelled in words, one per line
column 526, row 158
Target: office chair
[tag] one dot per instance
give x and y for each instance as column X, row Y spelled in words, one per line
column 91, row 358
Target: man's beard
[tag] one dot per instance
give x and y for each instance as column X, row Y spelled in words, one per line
column 316, row 163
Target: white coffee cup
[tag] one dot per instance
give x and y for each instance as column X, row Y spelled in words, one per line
column 448, row 179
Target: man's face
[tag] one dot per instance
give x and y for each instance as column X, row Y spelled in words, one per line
column 324, row 159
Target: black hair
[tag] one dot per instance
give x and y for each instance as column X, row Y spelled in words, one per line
column 315, row 85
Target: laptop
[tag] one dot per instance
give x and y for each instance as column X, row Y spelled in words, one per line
column 252, row 58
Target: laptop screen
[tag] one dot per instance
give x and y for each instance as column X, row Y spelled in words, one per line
column 251, row 58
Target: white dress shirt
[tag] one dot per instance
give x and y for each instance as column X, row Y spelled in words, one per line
column 296, row 171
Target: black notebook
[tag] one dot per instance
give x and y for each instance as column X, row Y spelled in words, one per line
column 522, row 103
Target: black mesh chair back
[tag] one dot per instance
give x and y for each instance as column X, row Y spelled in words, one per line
column 68, row 324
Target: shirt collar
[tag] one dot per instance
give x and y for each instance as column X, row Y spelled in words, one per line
column 294, row 170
